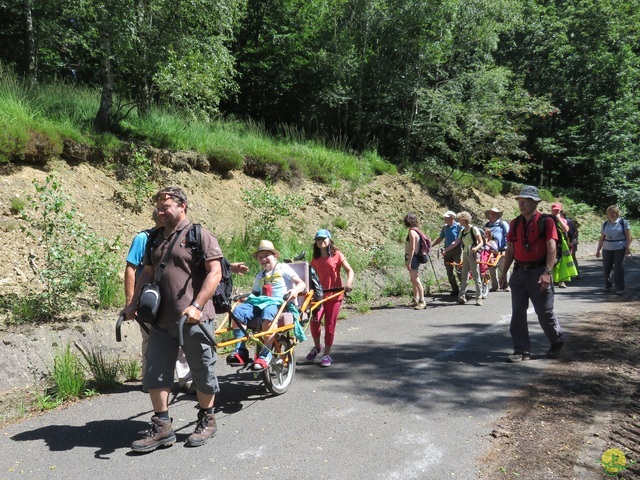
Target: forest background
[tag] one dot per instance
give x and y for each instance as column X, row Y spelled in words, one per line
column 544, row 92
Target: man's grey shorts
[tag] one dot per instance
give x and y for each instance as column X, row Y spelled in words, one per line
column 162, row 353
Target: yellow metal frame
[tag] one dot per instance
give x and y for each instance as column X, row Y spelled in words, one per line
column 307, row 307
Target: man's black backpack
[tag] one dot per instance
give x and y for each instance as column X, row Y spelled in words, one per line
column 224, row 291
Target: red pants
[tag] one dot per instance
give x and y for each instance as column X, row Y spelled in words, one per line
column 329, row 310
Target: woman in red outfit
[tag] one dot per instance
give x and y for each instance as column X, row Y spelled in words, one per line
column 327, row 261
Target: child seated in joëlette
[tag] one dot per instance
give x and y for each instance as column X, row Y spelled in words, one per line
column 490, row 245
column 276, row 283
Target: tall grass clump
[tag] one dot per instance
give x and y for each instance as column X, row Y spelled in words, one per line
column 67, row 375
column 104, row 368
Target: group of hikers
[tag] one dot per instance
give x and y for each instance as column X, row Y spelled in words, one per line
column 164, row 264
column 542, row 249
column 179, row 271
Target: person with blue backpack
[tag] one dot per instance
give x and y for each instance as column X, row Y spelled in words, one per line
column 448, row 234
column 499, row 230
column 615, row 244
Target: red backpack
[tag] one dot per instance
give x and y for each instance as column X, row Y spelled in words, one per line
column 425, row 246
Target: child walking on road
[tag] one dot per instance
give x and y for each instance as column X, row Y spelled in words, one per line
column 328, row 261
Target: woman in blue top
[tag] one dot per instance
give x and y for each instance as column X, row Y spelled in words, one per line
column 615, row 244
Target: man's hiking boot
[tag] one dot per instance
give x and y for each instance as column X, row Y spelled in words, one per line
column 160, row 434
column 205, row 428
column 420, row 305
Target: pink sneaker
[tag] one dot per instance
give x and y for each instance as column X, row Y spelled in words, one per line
column 313, row 354
column 326, row 361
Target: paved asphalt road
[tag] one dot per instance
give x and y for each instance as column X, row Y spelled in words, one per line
column 411, row 395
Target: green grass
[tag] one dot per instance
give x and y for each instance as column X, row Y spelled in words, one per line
column 67, row 375
column 56, row 112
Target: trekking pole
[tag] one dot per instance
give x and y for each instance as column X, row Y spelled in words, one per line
column 435, row 274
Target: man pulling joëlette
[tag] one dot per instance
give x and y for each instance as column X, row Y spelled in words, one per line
column 186, row 288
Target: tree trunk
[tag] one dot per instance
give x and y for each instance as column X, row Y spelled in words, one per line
column 30, row 43
column 102, row 122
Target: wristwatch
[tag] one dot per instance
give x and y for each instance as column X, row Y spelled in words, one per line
column 546, row 270
column 197, row 305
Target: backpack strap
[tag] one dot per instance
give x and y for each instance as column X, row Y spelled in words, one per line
column 152, row 235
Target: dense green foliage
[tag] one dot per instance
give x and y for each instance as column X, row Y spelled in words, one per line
column 530, row 90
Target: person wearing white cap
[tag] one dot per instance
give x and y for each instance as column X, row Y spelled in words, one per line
column 499, row 229
column 449, row 233
column 534, row 255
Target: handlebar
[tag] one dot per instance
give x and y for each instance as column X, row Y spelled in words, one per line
column 301, row 256
column 182, row 321
column 119, row 328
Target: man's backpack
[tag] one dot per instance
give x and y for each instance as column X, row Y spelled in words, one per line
column 224, row 291
column 425, row 246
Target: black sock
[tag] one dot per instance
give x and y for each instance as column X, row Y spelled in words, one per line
column 208, row 411
column 164, row 415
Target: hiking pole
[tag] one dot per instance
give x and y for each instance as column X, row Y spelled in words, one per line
column 435, row 274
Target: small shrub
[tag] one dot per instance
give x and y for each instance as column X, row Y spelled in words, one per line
column 138, row 178
column 340, row 223
column 546, row 195
column 17, row 205
column 67, row 375
column 396, row 285
column 266, row 209
column 45, row 400
column 361, row 297
column 131, row 370
column 386, row 256
column 490, row 186
column 104, row 369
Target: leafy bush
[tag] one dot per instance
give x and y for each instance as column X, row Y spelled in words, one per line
column 396, row 285
column 138, row 177
column 266, row 209
column 340, row 223
column 74, row 256
column 17, row 205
